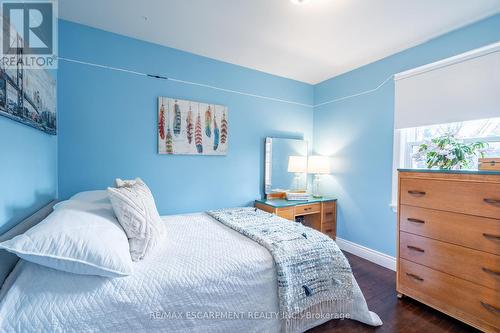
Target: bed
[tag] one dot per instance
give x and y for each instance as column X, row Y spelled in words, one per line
column 205, row 277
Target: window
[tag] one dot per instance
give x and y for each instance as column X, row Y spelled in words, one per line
column 408, row 140
column 485, row 130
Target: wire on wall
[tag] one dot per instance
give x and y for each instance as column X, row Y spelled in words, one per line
column 224, row 89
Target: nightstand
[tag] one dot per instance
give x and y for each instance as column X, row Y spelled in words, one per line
column 320, row 214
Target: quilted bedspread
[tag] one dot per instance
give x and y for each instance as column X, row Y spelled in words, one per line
column 205, row 278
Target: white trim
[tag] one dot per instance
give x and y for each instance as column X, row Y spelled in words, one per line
column 376, row 257
column 482, row 51
column 155, row 76
column 356, row 94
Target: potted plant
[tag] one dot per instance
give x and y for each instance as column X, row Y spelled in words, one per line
column 446, row 152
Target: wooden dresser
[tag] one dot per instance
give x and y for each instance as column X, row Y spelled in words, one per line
column 320, row 214
column 449, row 243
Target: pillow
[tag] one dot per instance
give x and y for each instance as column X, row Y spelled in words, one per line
column 125, row 183
column 92, row 196
column 135, row 208
column 100, row 196
column 78, row 237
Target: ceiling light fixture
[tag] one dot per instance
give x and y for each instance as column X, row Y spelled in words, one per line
column 299, row 2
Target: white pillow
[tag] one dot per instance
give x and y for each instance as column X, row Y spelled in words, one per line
column 78, row 237
column 136, row 211
column 100, row 196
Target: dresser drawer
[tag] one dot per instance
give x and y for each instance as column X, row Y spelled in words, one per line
column 475, row 266
column 475, row 232
column 307, row 209
column 481, row 199
column 469, row 302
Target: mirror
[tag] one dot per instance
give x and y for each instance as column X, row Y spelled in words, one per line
column 277, row 163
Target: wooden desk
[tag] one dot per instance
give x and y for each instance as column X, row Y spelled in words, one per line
column 320, row 214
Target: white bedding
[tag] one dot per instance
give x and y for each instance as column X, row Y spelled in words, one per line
column 203, row 271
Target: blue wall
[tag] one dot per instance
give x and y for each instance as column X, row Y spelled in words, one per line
column 357, row 133
column 107, row 125
column 107, row 121
column 28, row 171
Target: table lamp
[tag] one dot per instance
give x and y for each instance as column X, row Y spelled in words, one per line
column 318, row 165
column 298, row 165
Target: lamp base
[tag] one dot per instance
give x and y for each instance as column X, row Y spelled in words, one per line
column 315, row 190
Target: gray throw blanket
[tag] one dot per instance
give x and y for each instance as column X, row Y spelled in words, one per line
column 313, row 274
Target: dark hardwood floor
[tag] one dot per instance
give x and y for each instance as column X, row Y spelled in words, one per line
column 398, row 315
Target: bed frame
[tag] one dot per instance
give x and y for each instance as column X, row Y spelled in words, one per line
column 9, row 260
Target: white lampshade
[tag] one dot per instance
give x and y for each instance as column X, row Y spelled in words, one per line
column 318, row 165
column 297, row 164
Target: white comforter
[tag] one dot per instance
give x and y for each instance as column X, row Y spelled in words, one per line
column 205, row 278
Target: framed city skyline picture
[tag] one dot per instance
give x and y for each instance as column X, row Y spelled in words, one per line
column 29, row 97
column 192, row 128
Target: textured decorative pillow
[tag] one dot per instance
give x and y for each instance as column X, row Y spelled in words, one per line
column 78, row 237
column 125, row 183
column 135, row 208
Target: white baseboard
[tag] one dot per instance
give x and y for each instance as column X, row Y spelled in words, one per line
column 376, row 257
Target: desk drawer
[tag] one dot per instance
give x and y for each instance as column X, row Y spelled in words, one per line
column 329, row 212
column 475, row 232
column 307, row 209
column 475, row 266
column 481, row 199
column 329, row 229
column 286, row 213
column 470, row 302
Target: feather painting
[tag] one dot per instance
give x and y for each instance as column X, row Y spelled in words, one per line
column 223, row 129
column 208, row 122
column 189, row 125
column 216, row 133
column 177, row 119
column 198, row 139
column 191, row 128
column 161, row 122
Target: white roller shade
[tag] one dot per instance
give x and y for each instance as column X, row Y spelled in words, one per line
column 464, row 87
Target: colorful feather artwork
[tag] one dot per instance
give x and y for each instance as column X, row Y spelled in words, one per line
column 177, row 119
column 189, row 125
column 198, row 139
column 208, row 122
column 216, row 133
column 223, row 129
column 161, row 122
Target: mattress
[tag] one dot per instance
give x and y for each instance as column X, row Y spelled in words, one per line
column 205, row 277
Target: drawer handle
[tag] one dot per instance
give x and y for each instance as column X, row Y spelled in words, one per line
column 308, row 208
column 490, row 307
column 411, row 247
column 490, row 271
column 414, row 276
column 416, row 192
column 328, row 230
column 490, row 236
column 329, row 213
column 492, row 201
column 411, row 219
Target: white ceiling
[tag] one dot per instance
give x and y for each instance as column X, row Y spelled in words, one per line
column 309, row 43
